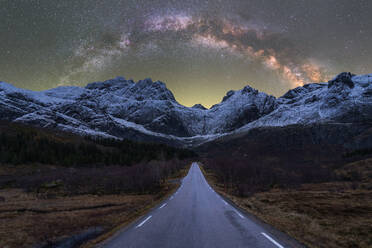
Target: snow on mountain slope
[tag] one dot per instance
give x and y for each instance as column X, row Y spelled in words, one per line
column 344, row 99
column 148, row 111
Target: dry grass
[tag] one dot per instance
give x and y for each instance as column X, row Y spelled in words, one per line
column 27, row 219
column 334, row 214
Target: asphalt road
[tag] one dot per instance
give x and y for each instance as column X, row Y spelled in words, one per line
column 196, row 216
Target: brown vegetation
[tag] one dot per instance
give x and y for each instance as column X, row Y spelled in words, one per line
column 323, row 214
column 27, row 220
column 45, row 214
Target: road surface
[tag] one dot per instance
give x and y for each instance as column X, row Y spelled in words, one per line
column 195, row 216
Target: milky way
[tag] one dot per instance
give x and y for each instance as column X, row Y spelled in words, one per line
column 200, row 49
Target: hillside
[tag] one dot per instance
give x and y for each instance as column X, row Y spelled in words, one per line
column 22, row 144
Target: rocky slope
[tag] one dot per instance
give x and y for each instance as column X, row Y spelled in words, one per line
column 148, row 111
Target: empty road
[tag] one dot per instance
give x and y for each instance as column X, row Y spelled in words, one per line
column 195, row 216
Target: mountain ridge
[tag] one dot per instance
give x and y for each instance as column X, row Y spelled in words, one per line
column 148, row 111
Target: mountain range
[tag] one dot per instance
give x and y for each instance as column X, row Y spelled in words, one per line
column 148, row 111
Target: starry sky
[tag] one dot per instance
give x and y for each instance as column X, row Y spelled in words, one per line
column 200, row 49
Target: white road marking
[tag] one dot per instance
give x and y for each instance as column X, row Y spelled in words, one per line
column 143, row 222
column 224, row 202
column 272, row 240
column 162, row 206
column 241, row 216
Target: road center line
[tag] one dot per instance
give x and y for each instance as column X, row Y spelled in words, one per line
column 272, row 240
column 162, row 206
column 143, row 222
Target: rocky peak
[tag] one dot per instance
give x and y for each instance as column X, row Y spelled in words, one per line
column 249, row 89
column 147, row 89
column 293, row 93
column 7, row 87
column 228, row 95
column 145, row 82
column 199, row 106
column 118, row 82
column 344, row 78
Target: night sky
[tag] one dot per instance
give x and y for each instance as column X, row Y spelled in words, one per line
column 200, row 49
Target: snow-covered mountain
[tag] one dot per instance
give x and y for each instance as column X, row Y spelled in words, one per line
column 148, row 111
column 345, row 99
